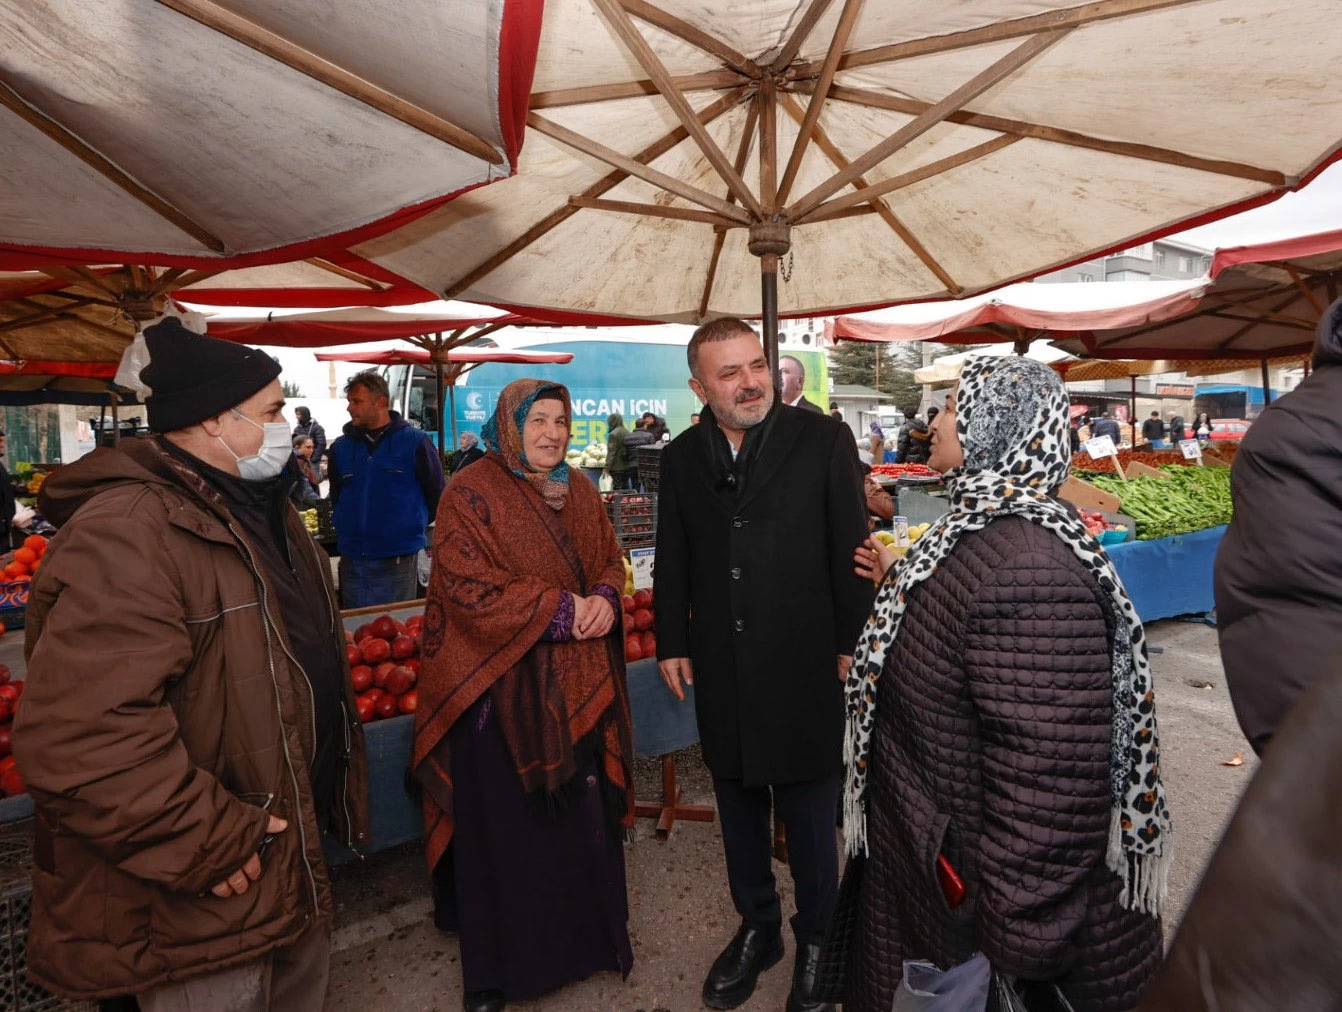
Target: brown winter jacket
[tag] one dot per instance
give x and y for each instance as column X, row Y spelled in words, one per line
column 991, row 746
column 164, row 713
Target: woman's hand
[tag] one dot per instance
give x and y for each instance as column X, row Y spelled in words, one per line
column 593, row 617
column 873, row 560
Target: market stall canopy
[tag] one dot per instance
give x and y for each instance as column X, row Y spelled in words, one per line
column 1021, row 313
column 946, row 369
column 462, row 356
column 352, row 326
column 1263, row 302
column 81, row 383
column 194, row 131
column 882, row 151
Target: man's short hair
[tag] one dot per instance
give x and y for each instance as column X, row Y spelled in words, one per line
column 725, row 329
column 834, row 405
column 370, row 381
column 800, row 368
column 1155, row 414
column 911, row 412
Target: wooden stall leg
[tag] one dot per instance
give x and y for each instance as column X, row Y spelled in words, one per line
column 670, row 808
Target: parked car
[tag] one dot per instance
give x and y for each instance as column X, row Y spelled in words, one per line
column 1229, row 429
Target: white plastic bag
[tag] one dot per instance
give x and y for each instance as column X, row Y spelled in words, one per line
column 136, row 355
column 423, row 564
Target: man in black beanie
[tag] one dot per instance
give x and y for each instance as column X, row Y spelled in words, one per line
column 189, row 729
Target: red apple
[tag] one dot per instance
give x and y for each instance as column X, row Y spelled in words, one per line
column 387, row 707
column 349, row 636
column 643, row 620
column 402, row 647
column 353, row 655
column 9, row 692
column 12, row 784
column 375, row 650
column 363, row 632
column 367, row 708
column 381, row 673
column 409, row 703
column 642, row 599
column 633, row 649
column 413, row 665
column 384, row 628
column 5, row 674
column 361, row 678
column 414, row 623
column 6, row 741
column 648, row 641
column 18, row 684
column 628, row 603
column 400, row 681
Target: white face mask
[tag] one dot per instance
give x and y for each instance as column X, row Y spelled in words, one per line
column 270, row 458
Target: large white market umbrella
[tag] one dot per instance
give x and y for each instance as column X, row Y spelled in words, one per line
column 885, row 151
column 199, row 129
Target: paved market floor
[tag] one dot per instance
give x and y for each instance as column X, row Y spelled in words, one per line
column 391, row 958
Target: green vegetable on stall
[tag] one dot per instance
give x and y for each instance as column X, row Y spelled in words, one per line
column 1190, row 499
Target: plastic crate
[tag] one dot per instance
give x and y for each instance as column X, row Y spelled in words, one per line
column 14, row 603
column 325, row 525
column 17, row 992
column 648, row 462
column 634, row 517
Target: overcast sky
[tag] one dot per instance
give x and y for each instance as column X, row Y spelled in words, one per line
column 1316, row 208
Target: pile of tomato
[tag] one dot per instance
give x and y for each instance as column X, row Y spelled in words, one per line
column 384, row 666
column 904, row 470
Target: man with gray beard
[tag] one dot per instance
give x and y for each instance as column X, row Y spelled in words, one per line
column 758, row 608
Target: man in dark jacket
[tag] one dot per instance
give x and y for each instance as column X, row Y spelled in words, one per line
column 1152, row 429
column 914, row 442
column 761, row 509
column 1107, row 425
column 308, row 427
column 1178, row 430
column 617, row 452
column 188, row 730
column 792, row 378
column 1278, row 593
column 386, row 479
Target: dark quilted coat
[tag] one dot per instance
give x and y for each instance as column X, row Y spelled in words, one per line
column 991, row 746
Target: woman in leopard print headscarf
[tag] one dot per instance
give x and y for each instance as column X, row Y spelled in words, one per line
column 1003, row 788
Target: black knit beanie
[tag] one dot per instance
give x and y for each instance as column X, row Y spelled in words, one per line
column 192, row 377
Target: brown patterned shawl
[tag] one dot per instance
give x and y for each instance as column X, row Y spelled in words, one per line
column 502, row 559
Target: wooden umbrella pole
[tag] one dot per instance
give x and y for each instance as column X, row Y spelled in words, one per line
column 1267, row 384
column 769, row 240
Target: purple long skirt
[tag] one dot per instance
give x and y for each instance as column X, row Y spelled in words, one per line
column 536, row 894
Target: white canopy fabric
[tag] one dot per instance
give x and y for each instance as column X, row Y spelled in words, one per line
column 199, row 129
column 1001, row 138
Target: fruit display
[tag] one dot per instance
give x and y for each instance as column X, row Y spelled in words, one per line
column 640, row 642
column 903, row 471
column 20, row 565
column 310, row 521
column 1189, row 499
column 1105, row 465
column 593, row 456
column 11, row 691
column 1099, row 528
column 384, row 663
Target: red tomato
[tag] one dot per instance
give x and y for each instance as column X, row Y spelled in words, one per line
column 648, row 641
column 402, row 647
column 387, row 707
column 633, row 649
column 375, row 650
column 361, row 678
column 6, row 742
column 363, row 632
column 385, row 628
column 628, row 604
column 643, row 620
column 642, row 599
column 353, row 655
column 12, row 784
column 366, row 707
column 381, row 672
column 409, row 703
column 400, row 681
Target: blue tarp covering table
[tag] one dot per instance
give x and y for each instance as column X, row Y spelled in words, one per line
column 1169, row 577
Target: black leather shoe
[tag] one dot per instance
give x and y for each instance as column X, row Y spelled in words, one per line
column 731, row 982
column 803, row 982
column 484, row 1001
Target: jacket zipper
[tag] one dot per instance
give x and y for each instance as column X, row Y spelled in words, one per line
column 279, row 710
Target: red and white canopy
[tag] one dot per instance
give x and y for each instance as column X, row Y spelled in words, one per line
column 350, row 326
column 456, row 356
column 185, row 131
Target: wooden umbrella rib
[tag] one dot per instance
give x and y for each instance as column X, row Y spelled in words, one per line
column 847, row 20
column 1003, row 30
column 874, row 190
column 1278, row 319
column 696, row 37
column 654, row 211
column 799, row 35
column 11, row 100
column 348, row 275
column 67, row 315
column 164, row 283
column 19, row 323
column 82, row 276
column 766, row 104
column 1037, row 131
column 190, row 278
column 1274, row 308
column 226, row 22
column 634, row 168
column 742, row 154
column 707, row 81
column 1304, row 288
column 919, row 125
column 651, row 63
column 605, row 184
column 831, row 151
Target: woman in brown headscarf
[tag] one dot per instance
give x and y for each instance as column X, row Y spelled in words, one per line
column 522, row 738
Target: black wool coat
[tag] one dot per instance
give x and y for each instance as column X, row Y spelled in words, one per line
column 759, row 592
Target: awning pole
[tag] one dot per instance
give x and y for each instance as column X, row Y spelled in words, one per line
column 438, row 375
column 1267, row 384
column 1132, row 409
column 769, row 240
column 116, row 421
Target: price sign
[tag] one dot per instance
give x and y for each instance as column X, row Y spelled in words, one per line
column 1192, row 449
column 643, row 560
column 1100, row 447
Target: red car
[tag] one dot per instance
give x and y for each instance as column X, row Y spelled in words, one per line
column 1229, row 429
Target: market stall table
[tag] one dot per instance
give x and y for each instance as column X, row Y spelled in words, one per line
column 1169, row 577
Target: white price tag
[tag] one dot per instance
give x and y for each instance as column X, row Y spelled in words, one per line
column 643, row 560
column 1191, row 448
column 1100, row 447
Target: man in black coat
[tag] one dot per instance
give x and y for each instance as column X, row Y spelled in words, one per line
column 1278, row 589
column 1153, row 430
column 758, row 607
